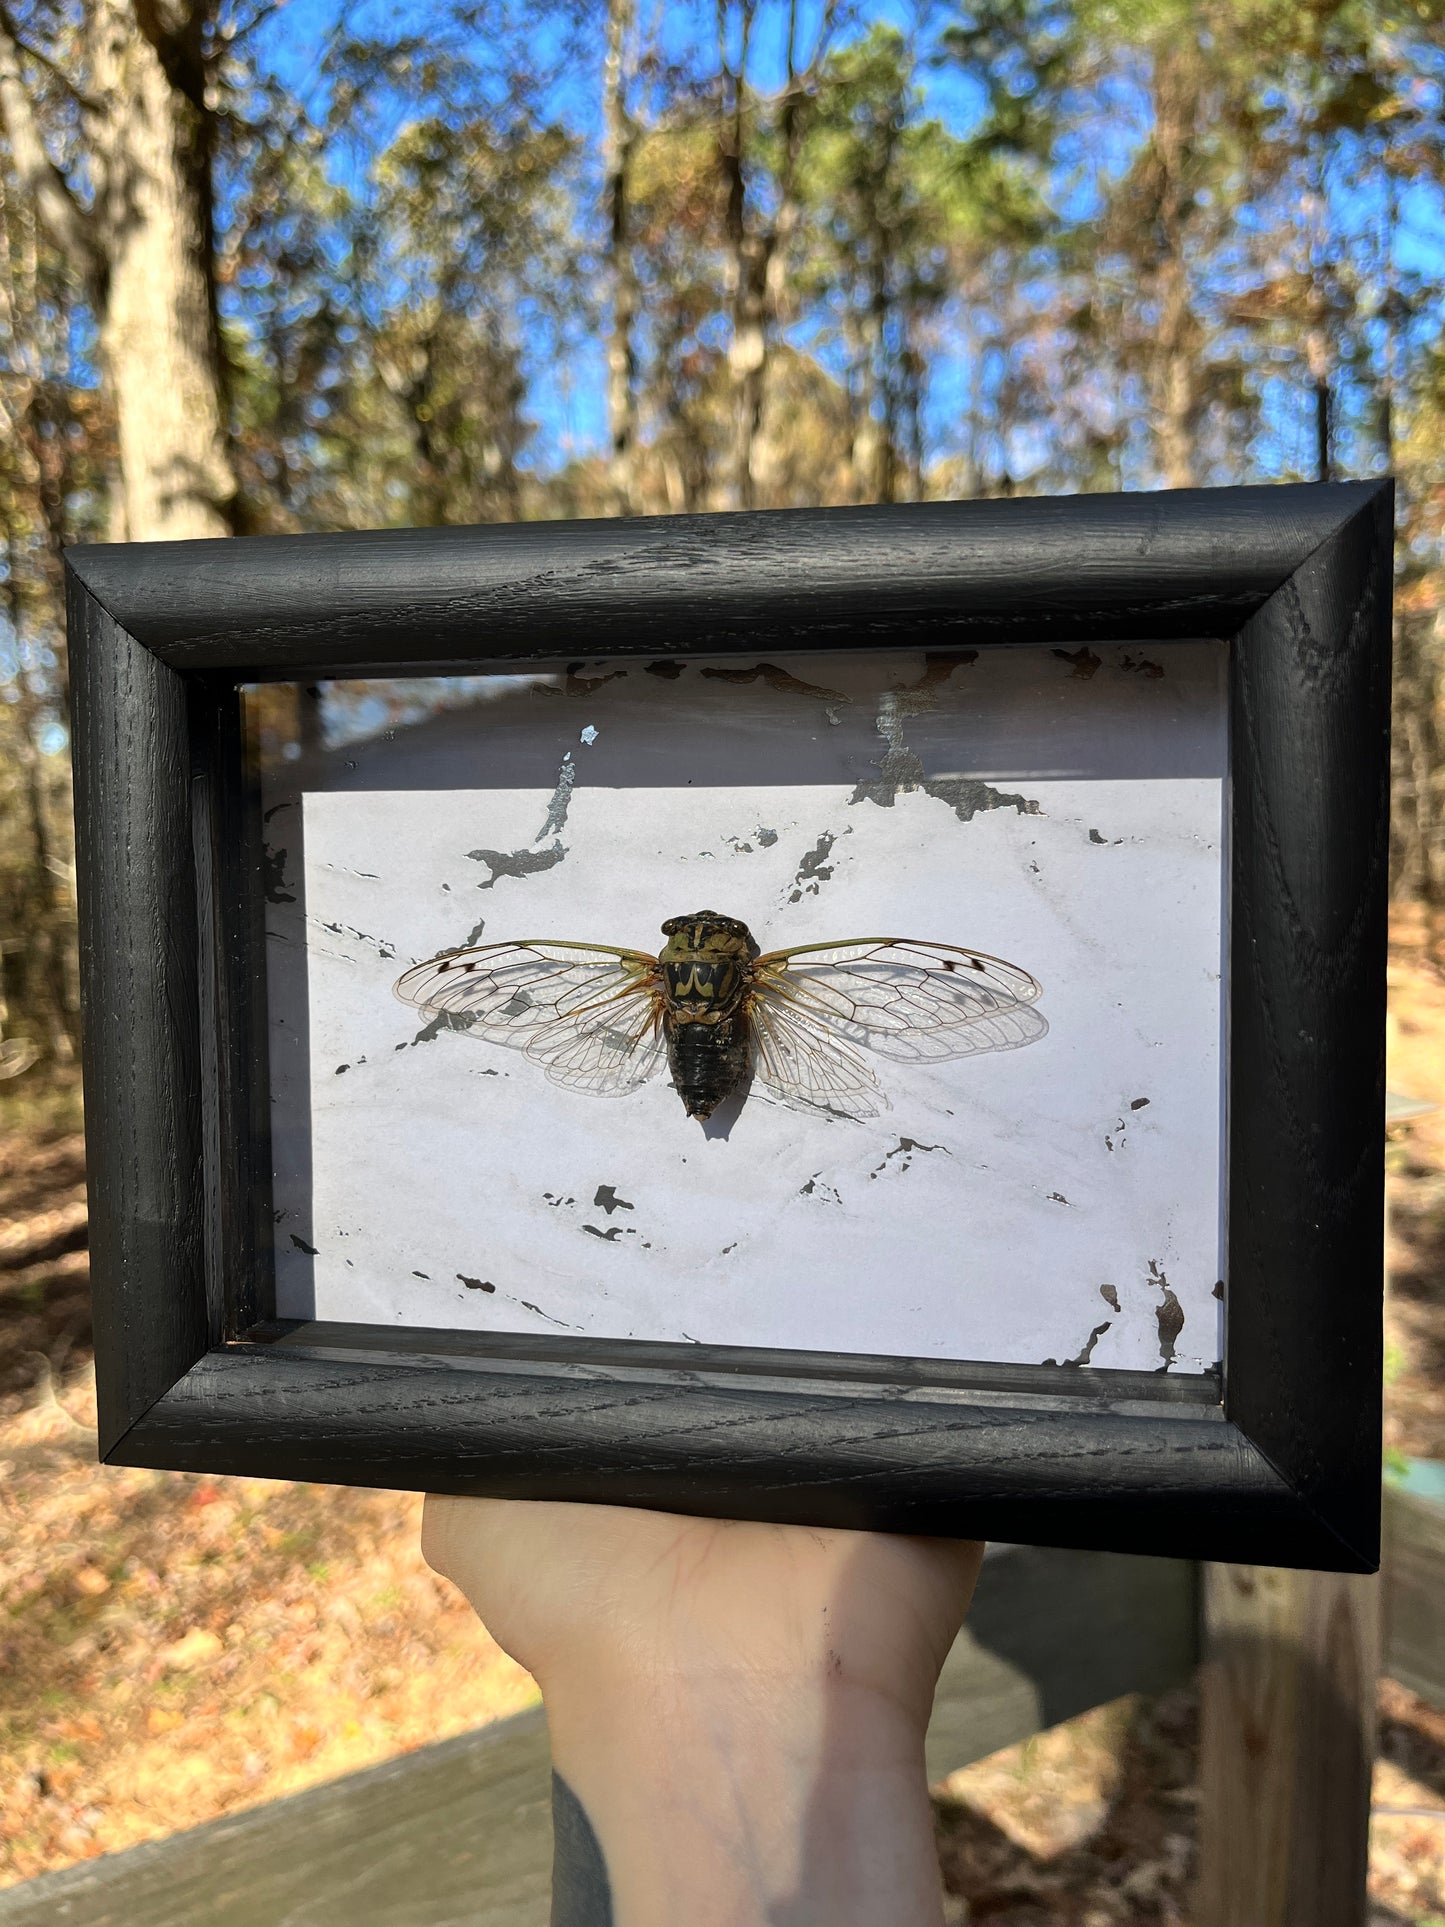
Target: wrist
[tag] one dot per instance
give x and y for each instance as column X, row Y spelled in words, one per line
column 718, row 1793
column 654, row 1703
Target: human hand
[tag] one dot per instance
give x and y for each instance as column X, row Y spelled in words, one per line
column 739, row 1708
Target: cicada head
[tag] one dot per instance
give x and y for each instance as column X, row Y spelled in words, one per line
column 707, row 933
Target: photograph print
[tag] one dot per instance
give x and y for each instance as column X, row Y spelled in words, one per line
column 866, row 1002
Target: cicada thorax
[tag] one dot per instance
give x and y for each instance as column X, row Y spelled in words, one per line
column 705, row 970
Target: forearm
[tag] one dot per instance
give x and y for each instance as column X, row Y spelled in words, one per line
column 737, row 1709
column 731, row 1801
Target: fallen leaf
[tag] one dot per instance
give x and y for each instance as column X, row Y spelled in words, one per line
column 195, row 1648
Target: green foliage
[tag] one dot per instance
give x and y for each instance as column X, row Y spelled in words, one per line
column 896, row 208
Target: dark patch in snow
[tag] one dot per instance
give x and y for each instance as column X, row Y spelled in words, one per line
column 787, row 685
column 967, row 797
column 273, row 874
column 379, row 944
column 905, row 1148
column 1083, row 662
column 561, row 801
column 938, row 667
column 516, row 863
column 816, row 1187
column 577, row 684
column 610, row 1201
column 1169, row 1316
column 527, row 1305
column 1083, row 1356
column 444, row 1020
column 900, row 771
column 814, row 870
column 476, row 1284
column 301, row 1245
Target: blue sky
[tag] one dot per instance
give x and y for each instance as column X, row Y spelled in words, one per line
column 567, row 391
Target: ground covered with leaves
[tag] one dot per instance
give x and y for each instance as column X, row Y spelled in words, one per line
column 175, row 1648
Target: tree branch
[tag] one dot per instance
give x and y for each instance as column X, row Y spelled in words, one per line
column 69, row 226
column 43, row 59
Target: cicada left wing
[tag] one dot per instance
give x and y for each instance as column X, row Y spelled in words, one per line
column 903, row 998
column 588, row 1013
column 604, row 1053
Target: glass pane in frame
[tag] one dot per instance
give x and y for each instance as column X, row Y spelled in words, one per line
column 1054, row 1197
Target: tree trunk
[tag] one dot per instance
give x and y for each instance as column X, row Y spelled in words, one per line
column 878, row 387
column 619, row 141
column 759, row 248
column 154, row 138
column 1176, row 383
column 1317, row 358
column 48, row 919
column 748, row 274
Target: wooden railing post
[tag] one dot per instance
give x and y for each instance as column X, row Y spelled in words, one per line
column 1288, row 1743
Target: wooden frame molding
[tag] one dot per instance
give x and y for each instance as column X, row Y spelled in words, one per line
column 1279, row 1465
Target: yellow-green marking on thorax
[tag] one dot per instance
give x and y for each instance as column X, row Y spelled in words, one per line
column 705, row 965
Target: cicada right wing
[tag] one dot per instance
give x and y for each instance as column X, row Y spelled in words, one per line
column 590, row 1014
column 818, row 1008
column 804, row 1063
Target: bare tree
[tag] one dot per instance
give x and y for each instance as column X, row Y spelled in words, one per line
column 758, row 237
column 1179, row 340
column 619, row 147
column 142, row 242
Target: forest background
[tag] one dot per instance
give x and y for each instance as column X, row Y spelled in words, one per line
column 269, row 267
column 313, row 266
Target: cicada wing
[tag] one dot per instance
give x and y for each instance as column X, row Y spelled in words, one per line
column 803, row 1062
column 588, row 1013
column 506, row 992
column 603, row 1054
column 993, row 1031
column 906, row 998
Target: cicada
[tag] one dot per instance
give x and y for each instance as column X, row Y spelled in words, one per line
column 720, row 1013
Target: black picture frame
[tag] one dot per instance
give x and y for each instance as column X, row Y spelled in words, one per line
column 1277, row 1461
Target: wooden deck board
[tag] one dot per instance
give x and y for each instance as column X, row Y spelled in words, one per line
column 1414, row 1603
